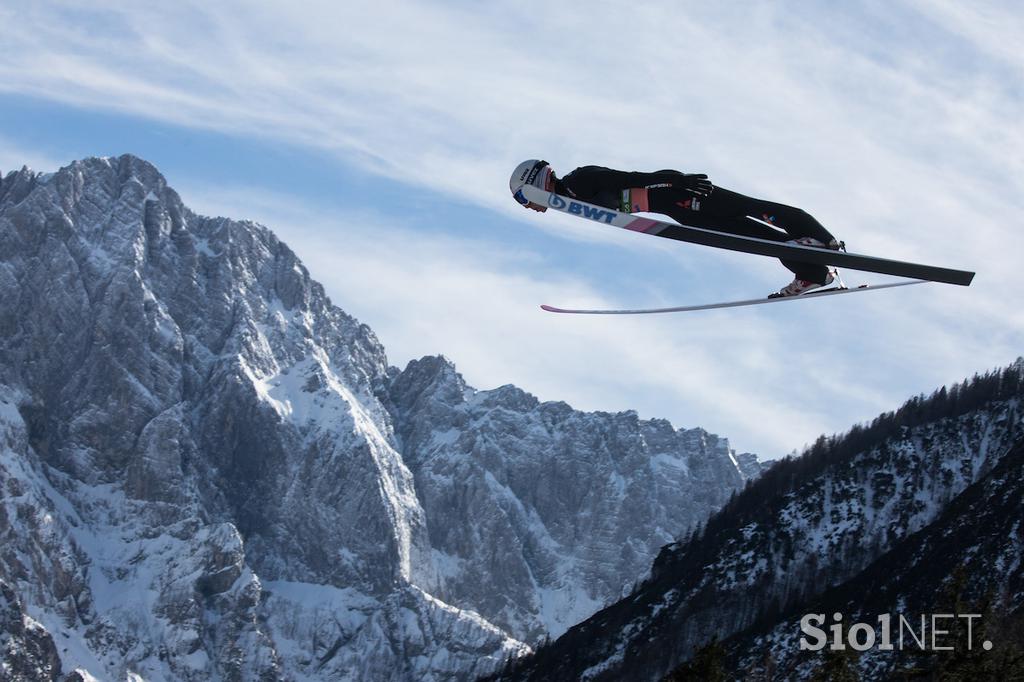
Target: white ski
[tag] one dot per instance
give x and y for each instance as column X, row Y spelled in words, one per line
column 835, row 291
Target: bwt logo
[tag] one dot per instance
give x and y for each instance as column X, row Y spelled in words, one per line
column 576, row 208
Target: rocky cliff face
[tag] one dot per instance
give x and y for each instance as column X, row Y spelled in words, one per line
column 27, row 651
column 209, row 471
column 575, row 504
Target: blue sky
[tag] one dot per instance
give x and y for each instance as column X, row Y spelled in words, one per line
column 377, row 141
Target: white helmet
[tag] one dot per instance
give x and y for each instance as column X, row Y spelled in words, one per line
column 530, row 172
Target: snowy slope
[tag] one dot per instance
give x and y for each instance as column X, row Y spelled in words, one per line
column 972, row 555
column 209, row 471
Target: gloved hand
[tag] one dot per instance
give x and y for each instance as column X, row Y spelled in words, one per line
column 697, row 183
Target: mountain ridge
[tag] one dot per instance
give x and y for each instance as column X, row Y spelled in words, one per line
column 191, row 420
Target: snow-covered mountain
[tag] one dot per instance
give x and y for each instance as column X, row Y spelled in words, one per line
column 209, row 471
column 880, row 521
column 970, row 560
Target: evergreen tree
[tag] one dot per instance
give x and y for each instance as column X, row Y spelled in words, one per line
column 837, row 666
column 970, row 660
column 707, row 665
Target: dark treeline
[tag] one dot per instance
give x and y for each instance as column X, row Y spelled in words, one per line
column 760, row 499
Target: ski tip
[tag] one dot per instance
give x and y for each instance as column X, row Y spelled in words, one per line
column 553, row 309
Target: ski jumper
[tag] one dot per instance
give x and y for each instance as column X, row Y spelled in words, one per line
column 721, row 210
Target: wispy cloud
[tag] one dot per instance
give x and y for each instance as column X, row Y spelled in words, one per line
column 14, row 155
column 896, row 124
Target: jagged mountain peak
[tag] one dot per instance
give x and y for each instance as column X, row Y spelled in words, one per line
column 509, row 397
column 118, row 223
column 434, row 374
column 16, row 185
column 187, row 415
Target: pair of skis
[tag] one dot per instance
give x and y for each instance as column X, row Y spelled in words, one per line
column 918, row 273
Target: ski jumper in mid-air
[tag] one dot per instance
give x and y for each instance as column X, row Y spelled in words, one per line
column 691, row 199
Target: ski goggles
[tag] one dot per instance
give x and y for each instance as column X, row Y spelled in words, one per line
column 521, row 198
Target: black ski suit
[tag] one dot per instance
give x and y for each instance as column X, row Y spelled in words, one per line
column 721, row 210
